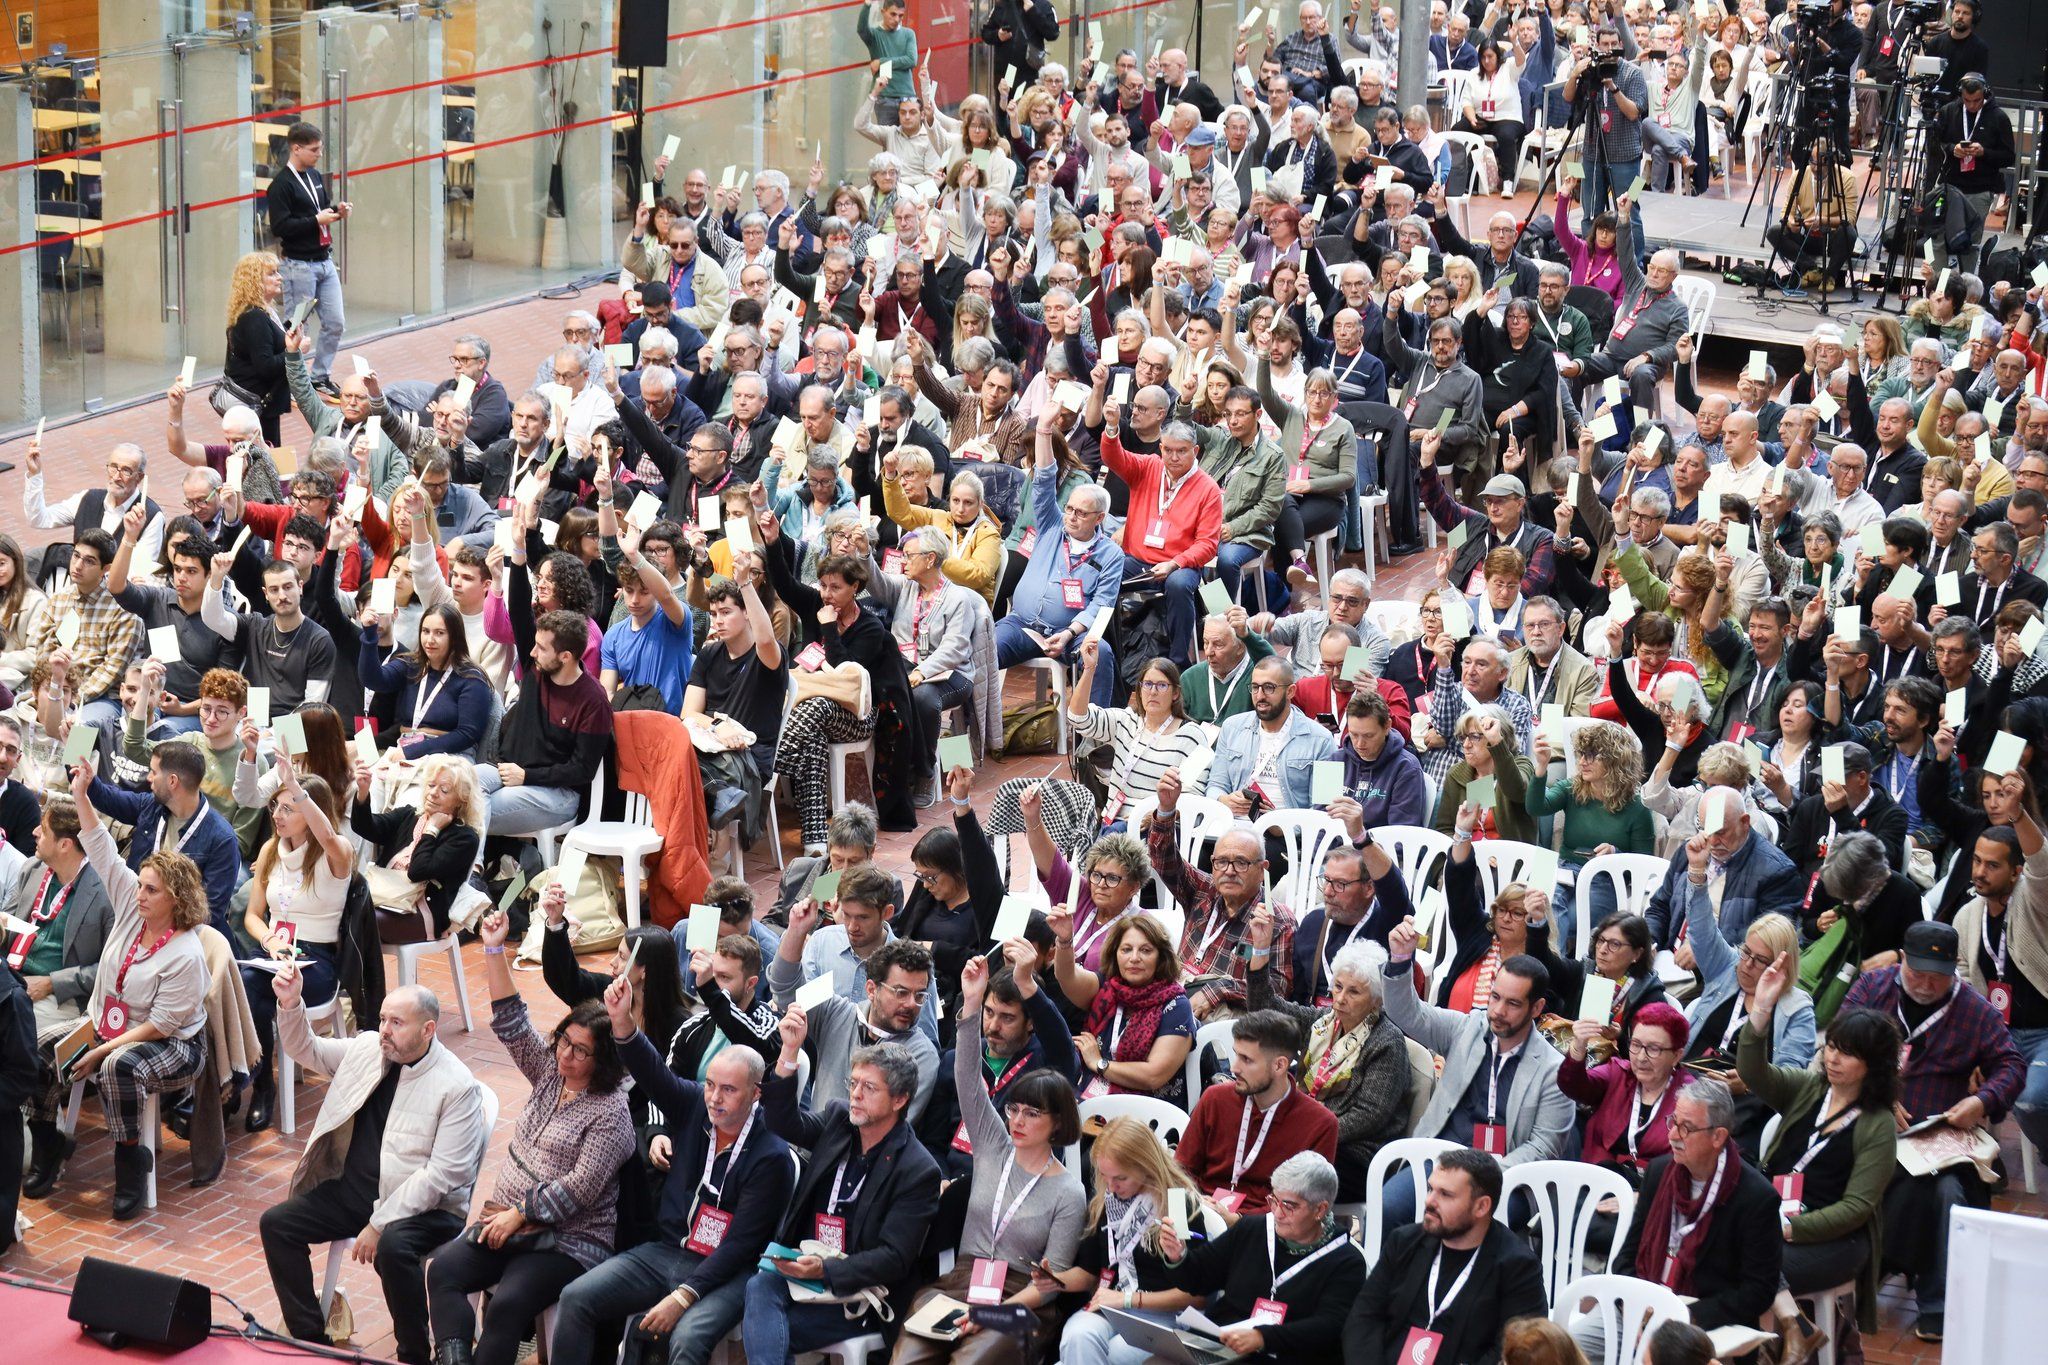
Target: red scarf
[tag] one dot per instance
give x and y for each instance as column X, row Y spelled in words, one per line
column 1142, row 1006
column 1675, row 1202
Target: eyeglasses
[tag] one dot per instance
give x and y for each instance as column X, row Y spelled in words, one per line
column 304, row 498
column 1679, row 1128
column 1760, row 961
column 123, row 471
column 1347, row 599
column 464, row 359
column 1229, row 864
column 577, row 1050
column 1022, row 1113
column 200, row 504
column 1340, row 883
column 904, row 992
column 1269, row 687
column 1097, row 877
column 1638, row 1048
column 1511, row 912
column 1621, row 944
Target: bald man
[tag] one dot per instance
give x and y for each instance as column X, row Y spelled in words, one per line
column 1498, row 259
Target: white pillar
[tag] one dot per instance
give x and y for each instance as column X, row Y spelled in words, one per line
column 21, row 335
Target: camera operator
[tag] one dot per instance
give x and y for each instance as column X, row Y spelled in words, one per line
column 1959, row 46
column 1837, row 46
column 1614, row 121
column 1975, row 136
column 1892, row 27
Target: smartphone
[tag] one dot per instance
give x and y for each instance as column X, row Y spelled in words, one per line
column 949, row 1325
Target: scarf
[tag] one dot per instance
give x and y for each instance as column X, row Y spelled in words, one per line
column 1141, row 1005
column 1330, row 1059
column 1675, row 1202
column 1118, row 1214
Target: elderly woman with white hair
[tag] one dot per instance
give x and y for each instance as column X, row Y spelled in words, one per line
column 1354, row 1061
column 1294, row 1256
column 1675, row 719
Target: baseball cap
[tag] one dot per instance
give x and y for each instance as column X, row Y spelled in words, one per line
column 1931, row 947
column 1504, row 486
column 1202, row 136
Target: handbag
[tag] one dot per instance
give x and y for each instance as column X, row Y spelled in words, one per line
column 228, row 394
column 391, row 889
column 846, row 684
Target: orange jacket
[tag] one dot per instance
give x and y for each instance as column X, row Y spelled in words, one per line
column 655, row 758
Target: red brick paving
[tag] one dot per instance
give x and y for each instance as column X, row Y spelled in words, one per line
column 210, row 1235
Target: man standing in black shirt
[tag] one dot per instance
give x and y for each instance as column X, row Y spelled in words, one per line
column 1960, row 47
column 303, row 212
column 391, row 1162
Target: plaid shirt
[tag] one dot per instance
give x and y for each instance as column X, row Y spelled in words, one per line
column 1212, row 945
column 1299, row 51
column 106, row 639
column 1970, row 1039
column 1447, row 704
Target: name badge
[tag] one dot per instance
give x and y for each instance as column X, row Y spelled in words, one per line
column 1095, row 1089
column 908, row 649
column 962, row 1142
column 1491, row 1138
column 1268, row 1312
column 829, row 1231
column 1421, row 1347
column 1071, row 594
column 1791, row 1193
column 1155, row 539
column 1230, row 1201
column 1408, row 409
column 708, row 1231
column 2000, row 996
column 113, row 1017
column 1969, row 163
column 1884, row 49
column 985, row 1284
column 1606, row 120
column 1026, row 541
column 285, row 930
column 892, row 561
column 1740, row 731
column 812, row 658
column 1298, row 472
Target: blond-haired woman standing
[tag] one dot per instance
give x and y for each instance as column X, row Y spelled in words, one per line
column 255, row 354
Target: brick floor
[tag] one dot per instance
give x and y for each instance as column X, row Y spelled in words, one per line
column 210, row 1235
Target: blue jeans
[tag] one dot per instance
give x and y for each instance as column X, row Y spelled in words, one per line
column 2032, row 1108
column 933, row 700
column 629, row 1284
column 1181, row 587
column 1231, row 557
column 1606, row 180
column 1088, row 1339
column 1665, row 147
column 319, row 281
column 775, row 1329
column 521, row 810
column 104, row 715
column 167, row 726
column 1013, row 647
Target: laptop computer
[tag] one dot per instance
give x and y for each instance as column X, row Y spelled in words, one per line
column 1167, row 1343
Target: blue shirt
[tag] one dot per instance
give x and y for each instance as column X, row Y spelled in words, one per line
column 1039, row 601
column 211, row 845
column 657, row 654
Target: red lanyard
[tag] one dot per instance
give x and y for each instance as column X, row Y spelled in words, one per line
column 17, row 951
column 121, row 977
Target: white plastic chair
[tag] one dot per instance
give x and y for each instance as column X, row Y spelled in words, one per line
column 1167, row 1121
column 1629, row 1310
column 1308, row 835
column 852, row 1351
column 337, row 1252
column 1508, row 860
column 1398, row 621
column 1212, row 1036
column 1565, row 1195
column 1699, row 302
column 150, row 1125
column 631, row 840
column 837, row 754
column 1419, row 1152
column 1052, row 674
column 1418, row 851
column 1635, row 878
column 288, row 1069
column 549, row 839
column 409, row 955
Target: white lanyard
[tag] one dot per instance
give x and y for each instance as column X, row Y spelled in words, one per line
column 1912, row 1034
column 1537, row 692
column 1823, row 1133
column 307, row 185
column 1241, row 1163
column 1436, row 1306
column 1169, row 490
column 733, row 1161
column 1494, row 1069
column 1215, row 702
column 1281, row 1277
column 1681, row 1231
column 1639, row 1119
column 1904, row 665
column 1969, row 126
column 999, row 1221
column 1737, row 1017
column 1100, row 927
column 423, row 702
column 1997, row 955
column 1323, row 954
column 1898, row 789
column 836, row 1203
column 1345, row 373
column 191, row 828
column 1209, row 939
column 1116, row 1031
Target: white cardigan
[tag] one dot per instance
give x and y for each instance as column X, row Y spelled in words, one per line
column 434, row 1137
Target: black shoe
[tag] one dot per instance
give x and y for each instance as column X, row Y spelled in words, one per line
column 49, row 1149
column 1928, row 1328
column 325, row 384
column 132, row 1161
column 452, row 1351
column 261, row 1101
column 178, row 1117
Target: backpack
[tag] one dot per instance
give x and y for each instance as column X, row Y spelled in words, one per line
column 1032, row 728
column 1141, row 635
column 1829, row 966
column 595, row 920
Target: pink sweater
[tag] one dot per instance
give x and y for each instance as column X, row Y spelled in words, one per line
column 1611, row 1090
column 1590, row 265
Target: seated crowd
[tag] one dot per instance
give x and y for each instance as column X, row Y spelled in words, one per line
column 1682, row 844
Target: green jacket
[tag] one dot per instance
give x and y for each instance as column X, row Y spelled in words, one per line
column 1654, row 595
column 1793, row 1093
column 1587, row 826
column 1254, row 484
column 1512, row 775
column 388, row 465
column 1194, row 686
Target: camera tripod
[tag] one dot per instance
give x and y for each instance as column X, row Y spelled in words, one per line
column 1911, row 196
column 1810, row 105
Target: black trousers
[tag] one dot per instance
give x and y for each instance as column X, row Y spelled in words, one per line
column 1303, row 518
column 10, row 1175
column 330, row 1212
column 523, row 1285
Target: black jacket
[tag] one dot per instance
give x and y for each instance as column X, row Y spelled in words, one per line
column 754, row 1189
column 442, row 860
column 490, row 411
column 1735, row 1275
column 1990, row 127
column 1192, row 91
column 1810, row 822
column 1234, row 1269
column 19, row 1061
column 886, row 1227
column 2022, row 587
column 1031, row 25
column 1506, row 1283
column 292, row 213
column 255, row 360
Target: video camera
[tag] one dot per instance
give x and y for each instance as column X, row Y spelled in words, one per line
column 1814, row 12
column 1606, row 66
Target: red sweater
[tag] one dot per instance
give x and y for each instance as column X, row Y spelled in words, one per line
column 1312, row 698
column 1194, row 521
column 1209, row 1146
column 1605, row 707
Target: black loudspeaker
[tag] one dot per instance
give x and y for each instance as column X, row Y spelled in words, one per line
column 643, row 33
column 2019, row 49
column 119, row 1304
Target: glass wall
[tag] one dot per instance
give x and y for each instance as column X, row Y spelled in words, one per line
column 489, row 148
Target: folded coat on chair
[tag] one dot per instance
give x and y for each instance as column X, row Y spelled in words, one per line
column 655, row 757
